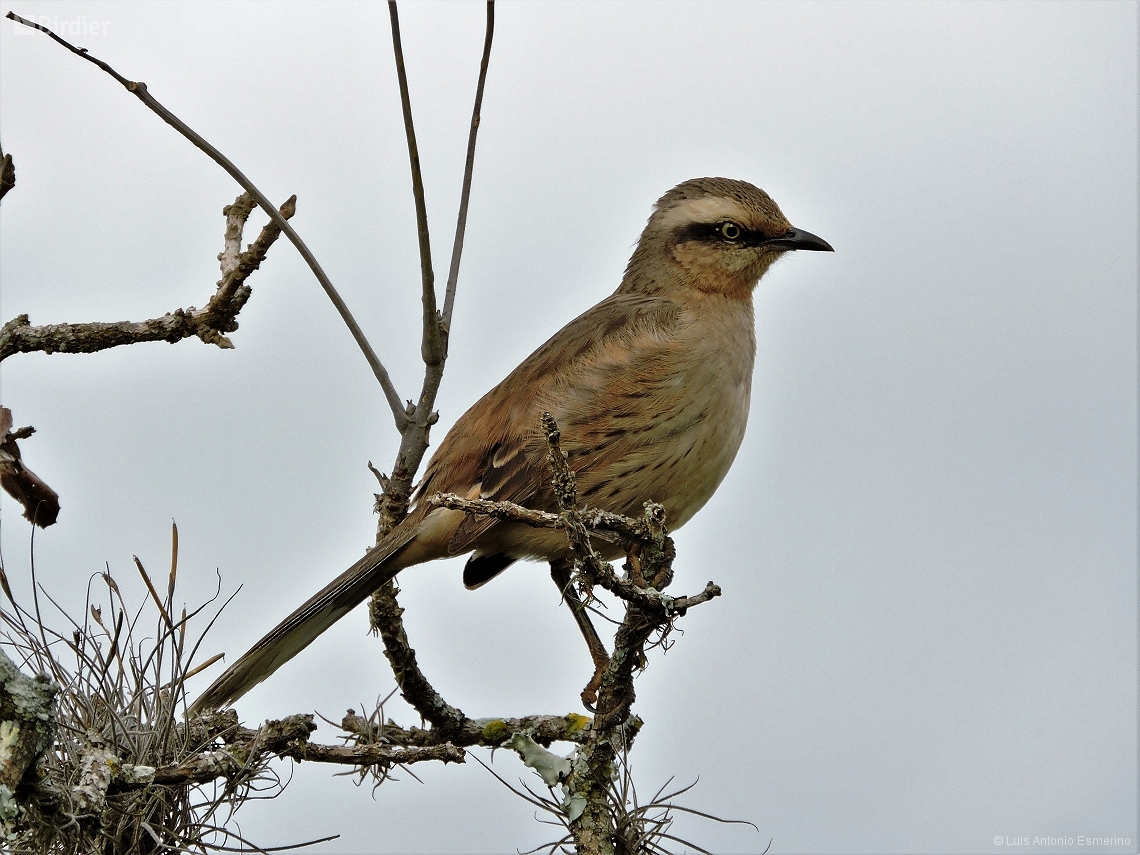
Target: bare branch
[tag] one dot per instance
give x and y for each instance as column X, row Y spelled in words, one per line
column 139, row 90
column 28, row 710
column 236, row 216
column 209, row 323
column 374, row 755
column 431, row 346
column 386, row 617
column 468, row 167
column 287, row 738
column 393, row 505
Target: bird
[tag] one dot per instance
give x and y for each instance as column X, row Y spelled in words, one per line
column 650, row 389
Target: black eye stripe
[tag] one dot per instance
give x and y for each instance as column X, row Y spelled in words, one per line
column 712, row 233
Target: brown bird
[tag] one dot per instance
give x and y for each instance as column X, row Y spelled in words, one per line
column 650, row 388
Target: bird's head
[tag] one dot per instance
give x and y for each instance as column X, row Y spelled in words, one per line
column 717, row 235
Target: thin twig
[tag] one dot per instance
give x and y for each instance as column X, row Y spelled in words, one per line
column 468, row 168
column 431, row 346
column 139, row 89
column 209, row 323
column 393, row 505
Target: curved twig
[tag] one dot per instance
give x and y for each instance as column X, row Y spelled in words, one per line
column 139, row 90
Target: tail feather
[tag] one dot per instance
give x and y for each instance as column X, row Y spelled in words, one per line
column 302, row 627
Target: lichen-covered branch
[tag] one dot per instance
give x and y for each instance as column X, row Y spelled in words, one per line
column 244, row 748
column 600, row 523
column 209, row 323
column 27, row 730
column 386, row 616
column 648, row 570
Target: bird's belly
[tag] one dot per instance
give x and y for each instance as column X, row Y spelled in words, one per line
column 680, row 461
column 677, row 458
column 691, row 452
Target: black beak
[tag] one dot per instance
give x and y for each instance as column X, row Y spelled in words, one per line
column 799, row 239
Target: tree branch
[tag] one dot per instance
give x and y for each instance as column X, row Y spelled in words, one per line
column 209, row 323
column 27, row 724
column 468, row 168
column 393, row 503
column 385, row 614
column 288, row 738
column 431, row 345
column 139, row 90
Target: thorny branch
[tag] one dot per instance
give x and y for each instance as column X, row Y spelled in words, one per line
column 139, row 90
column 209, row 323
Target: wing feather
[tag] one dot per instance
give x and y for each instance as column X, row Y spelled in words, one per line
column 497, row 446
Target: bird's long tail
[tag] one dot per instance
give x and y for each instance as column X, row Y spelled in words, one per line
column 301, row 628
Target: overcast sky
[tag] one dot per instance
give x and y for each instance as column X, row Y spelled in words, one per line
column 927, row 544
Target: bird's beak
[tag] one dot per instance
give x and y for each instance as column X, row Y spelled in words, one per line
column 799, row 239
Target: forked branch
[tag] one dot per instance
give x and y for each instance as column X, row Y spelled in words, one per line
column 392, row 506
column 139, row 90
column 209, row 323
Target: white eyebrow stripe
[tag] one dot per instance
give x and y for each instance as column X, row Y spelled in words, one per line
column 710, row 209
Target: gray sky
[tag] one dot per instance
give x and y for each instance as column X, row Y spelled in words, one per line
column 928, row 541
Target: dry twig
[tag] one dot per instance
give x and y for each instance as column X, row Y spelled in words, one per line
column 209, row 323
column 420, row 416
column 139, row 90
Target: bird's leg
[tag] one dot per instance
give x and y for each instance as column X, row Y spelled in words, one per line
column 560, row 572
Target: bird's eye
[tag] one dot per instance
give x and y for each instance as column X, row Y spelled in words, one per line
column 729, row 231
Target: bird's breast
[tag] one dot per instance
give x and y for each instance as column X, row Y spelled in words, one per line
column 672, row 417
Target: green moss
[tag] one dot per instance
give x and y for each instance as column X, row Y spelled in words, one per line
column 496, row 730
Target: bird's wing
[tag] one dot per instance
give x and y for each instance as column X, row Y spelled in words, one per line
column 498, row 446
